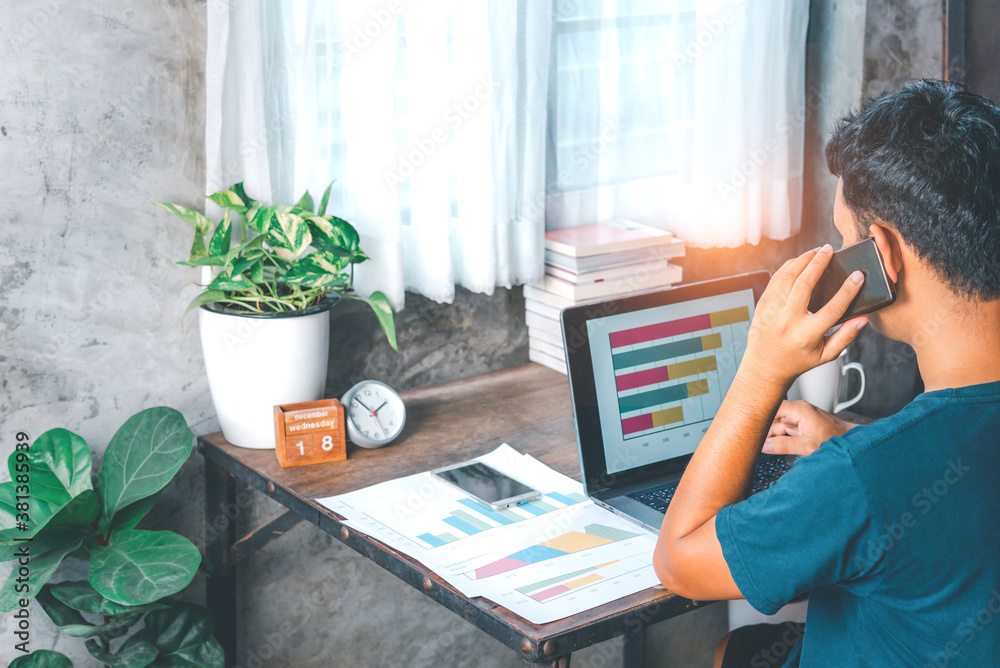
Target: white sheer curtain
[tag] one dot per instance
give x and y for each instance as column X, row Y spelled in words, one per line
column 250, row 123
column 429, row 118
column 456, row 130
column 684, row 114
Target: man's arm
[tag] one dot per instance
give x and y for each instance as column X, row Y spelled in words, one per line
column 784, row 340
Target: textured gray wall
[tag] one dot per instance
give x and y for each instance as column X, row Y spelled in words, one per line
column 102, row 111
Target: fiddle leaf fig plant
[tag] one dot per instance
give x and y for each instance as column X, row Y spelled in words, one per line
column 261, row 259
column 51, row 511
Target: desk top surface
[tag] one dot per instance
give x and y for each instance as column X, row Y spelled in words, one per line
column 526, row 406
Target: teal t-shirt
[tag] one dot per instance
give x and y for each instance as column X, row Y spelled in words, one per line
column 894, row 530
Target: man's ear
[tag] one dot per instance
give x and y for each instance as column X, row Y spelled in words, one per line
column 888, row 243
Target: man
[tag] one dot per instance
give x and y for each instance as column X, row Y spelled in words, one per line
column 892, row 528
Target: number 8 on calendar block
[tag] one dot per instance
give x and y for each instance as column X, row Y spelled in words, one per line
column 309, row 433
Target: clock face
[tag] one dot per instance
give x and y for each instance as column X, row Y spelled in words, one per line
column 375, row 413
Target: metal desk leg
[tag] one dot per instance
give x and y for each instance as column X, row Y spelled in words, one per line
column 633, row 652
column 220, row 534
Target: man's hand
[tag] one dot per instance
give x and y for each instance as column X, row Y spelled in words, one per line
column 799, row 428
column 785, row 338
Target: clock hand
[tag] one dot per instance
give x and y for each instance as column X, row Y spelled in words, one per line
column 381, row 428
column 379, row 408
column 365, row 407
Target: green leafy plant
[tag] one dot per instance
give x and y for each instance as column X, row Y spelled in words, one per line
column 266, row 265
column 133, row 573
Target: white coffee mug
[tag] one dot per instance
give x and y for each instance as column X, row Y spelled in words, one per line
column 821, row 386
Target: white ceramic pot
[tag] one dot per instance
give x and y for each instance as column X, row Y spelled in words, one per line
column 257, row 362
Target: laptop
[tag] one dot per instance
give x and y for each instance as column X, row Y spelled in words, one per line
column 647, row 374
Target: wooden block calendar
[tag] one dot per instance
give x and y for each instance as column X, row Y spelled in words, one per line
column 309, row 433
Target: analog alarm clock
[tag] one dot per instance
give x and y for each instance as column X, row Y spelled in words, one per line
column 374, row 414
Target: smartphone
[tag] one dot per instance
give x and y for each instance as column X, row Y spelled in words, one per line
column 876, row 292
column 486, row 484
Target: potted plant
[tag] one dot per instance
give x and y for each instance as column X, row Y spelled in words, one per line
column 273, row 274
column 52, row 510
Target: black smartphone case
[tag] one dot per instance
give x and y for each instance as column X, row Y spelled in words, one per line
column 876, row 292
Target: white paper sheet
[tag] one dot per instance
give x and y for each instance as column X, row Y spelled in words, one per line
column 545, row 560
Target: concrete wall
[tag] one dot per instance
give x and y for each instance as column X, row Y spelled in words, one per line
column 102, row 111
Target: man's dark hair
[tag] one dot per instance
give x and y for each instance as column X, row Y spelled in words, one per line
column 925, row 159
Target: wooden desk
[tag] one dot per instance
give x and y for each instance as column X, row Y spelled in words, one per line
column 526, row 406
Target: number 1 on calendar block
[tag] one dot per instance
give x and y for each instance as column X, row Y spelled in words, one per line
column 309, row 433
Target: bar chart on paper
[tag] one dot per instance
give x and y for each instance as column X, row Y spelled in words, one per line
column 443, row 527
column 587, row 558
column 675, row 373
column 593, row 535
column 552, row 588
column 469, row 517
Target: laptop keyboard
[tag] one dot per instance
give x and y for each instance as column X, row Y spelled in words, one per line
column 765, row 473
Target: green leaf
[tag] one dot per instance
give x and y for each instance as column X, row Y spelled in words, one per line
column 130, row 515
column 318, row 269
column 74, row 624
column 222, row 238
column 135, row 655
column 227, row 199
column 229, row 283
column 204, row 297
column 261, row 219
column 43, row 658
column 248, row 201
column 334, row 235
column 305, row 202
column 81, row 512
column 326, row 199
column 383, row 311
column 58, row 469
column 81, row 596
column 205, row 261
column 184, row 637
column 61, row 614
column 351, row 239
column 198, row 249
column 289, row 233
column 248, row 260
column 140, row 567
column 257, row 272
column 43, row 565
column 142, row 457
column 198, row 221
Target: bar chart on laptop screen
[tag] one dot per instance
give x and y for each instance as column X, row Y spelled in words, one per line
column 675, row 373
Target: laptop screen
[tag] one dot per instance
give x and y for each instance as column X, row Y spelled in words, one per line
column 661, row 373
column 649, row 372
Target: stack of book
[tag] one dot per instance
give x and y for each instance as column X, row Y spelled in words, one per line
column 590, row 263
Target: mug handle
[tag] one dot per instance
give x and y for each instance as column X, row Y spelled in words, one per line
column 857, row 366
